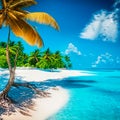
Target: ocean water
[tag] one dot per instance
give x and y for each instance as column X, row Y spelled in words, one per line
column 94, row 97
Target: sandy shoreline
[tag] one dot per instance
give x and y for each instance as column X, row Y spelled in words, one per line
column 39, row 75
column 44, row 107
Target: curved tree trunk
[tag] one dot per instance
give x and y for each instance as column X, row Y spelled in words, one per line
column 4, row 93
column 9, row 84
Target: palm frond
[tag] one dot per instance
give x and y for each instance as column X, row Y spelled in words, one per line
column 10, row 1
column 2, row 18
column 42, row 18
column 4, row 3
column 18, row 13
column 39, row 40
column 12, row 50
column 13, row 22
column 20, row 10
column 22, row 3
column 22, row 29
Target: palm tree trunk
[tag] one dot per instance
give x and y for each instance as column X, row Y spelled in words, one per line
column 36, row 59
column 8, row 86
column 11, row 71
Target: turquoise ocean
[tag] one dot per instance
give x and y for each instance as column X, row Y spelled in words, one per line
column 94, row 97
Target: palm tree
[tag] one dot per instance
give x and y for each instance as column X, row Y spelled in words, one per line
column 47, row 56
column 13, row 47
column 58, row 62
column 34, row 57
column 24, row 61
column 15, row 17
column 43, row 63
column 16, row 48
column 46, row 60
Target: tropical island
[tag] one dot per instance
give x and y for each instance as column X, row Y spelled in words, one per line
column 66, row 70
column 36, row 59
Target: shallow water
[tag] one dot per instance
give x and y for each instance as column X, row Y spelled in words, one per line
column 92, row 97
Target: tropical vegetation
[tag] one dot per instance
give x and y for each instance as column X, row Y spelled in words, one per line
column 37, row 59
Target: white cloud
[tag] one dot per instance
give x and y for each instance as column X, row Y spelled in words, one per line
column 102, row 26
column 103, row 59
column 106, row 58
column 72, row 48
column 92, row 29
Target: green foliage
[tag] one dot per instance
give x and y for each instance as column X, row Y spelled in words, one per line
column 34, row 58
column 42, row 60
column 3, row 61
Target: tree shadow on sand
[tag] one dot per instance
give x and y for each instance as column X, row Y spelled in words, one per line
column 22, row 97
column 20, row 101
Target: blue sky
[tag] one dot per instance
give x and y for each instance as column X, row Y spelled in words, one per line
column 89, row 31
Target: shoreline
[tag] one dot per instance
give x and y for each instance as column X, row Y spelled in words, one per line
column 41, row 75
column 46, row 106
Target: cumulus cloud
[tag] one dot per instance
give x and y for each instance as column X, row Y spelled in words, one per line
column 104, row 25
column 72, row 48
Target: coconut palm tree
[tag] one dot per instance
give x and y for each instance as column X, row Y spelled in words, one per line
column 34, row 57
column 58, row 60
column 45, row 60
column 13, row 47
column 43, row 64
column 47, row 55
column 13, row 16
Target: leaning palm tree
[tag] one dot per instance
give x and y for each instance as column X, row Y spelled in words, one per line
column 13, row 16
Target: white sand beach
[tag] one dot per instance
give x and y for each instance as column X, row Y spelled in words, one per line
column 44, row 107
